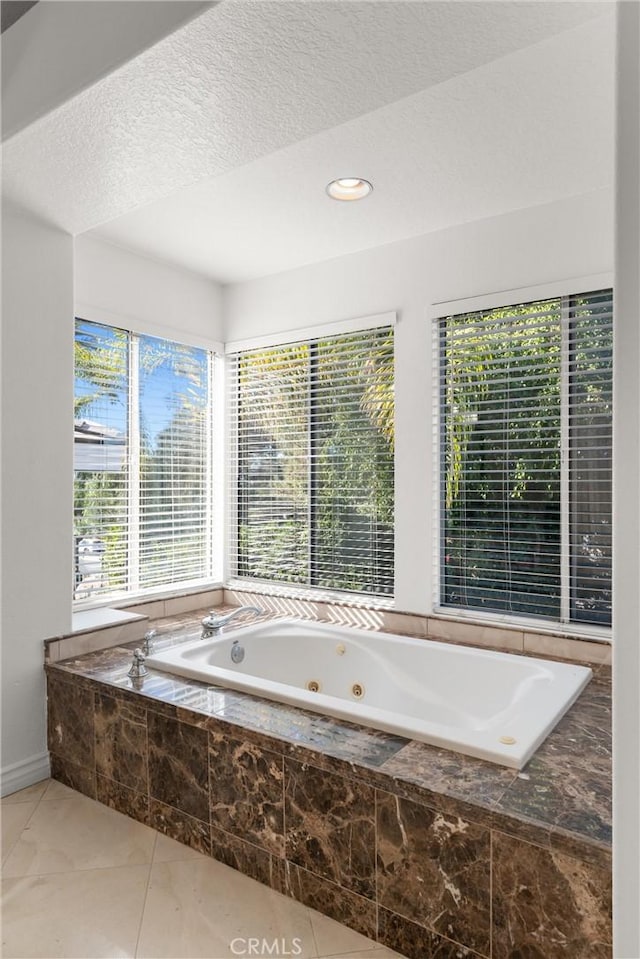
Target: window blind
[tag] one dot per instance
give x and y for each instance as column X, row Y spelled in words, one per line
column 311, row 427
column 142, row 441
column 524, row 440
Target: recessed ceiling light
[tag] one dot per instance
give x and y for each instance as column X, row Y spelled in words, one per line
column 349, row 188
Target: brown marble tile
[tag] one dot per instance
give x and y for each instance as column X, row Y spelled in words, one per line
column 598, row 692
column 331, row 900
column 415, row 942
column 170, row 694
column 568, row 783
column 571, row 792
column 246, row 791
column 547, row 905
column 586, row 729
column 449, row 773
column 480, row 813
column 179, row 826
column 70, row 722
column 245, row 857
column 297, row 751
column 125, row 800
column 342, row 740
column 603, row 676
column 330, row 826
column 522, row 826
column 106, row 664
column 121, row 742
column 76, row 777
column 578, row 847
column 434, row 870
column 178, row 765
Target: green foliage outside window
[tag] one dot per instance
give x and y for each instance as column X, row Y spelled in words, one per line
column 315, row 461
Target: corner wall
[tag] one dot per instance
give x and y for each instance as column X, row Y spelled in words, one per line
column 37, row 464
column 45, row 284
column 115, row 286
column 542, row 245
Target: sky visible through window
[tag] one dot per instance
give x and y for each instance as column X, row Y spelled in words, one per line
column 142, row 444
column 162, row 378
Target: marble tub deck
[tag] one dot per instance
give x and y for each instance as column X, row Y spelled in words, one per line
column 430, row 852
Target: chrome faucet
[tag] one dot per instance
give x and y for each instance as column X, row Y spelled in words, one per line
column 138, row 668
column 213, row 625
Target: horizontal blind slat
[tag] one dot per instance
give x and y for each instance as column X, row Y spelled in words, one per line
column 142, row 512
column 311, row 425
column 501, row 390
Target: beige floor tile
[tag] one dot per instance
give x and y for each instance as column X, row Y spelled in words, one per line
column 168, row 850
column 334, row 939
column 56, row 790
column 93, row 913
column 79, row 833
column 30, row 794
column 204, row 910
column 15, row 817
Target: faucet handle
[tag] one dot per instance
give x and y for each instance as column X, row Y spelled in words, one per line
column 149, row 636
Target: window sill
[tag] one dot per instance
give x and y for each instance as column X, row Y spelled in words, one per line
column 585, row 634
column 311, row 594
column 89, row 619
column 126, row 601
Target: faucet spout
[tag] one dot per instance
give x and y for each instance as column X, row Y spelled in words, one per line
column 212, row 625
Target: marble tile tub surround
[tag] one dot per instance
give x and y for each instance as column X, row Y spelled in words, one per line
column 130, row 624
column 429, row 852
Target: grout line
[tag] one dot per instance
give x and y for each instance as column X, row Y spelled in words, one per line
column 491, row 892
column 146, row 895
column 63, row 798
column 376, row 932
column 7, row 853
column 79, row 869
column 313, row 932
column 284, row 807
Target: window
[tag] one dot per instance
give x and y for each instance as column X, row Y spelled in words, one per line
column 142, row 463
column 312, row 426
column 525, row 399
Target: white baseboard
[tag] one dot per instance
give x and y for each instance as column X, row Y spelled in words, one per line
column 24, row 773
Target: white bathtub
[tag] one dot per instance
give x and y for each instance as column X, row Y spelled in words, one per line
column 494, row 706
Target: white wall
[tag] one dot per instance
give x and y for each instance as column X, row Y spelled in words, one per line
column 626, row 498
column 557, row 242
column 37, row 465
column 38, row 307
column 115, row 286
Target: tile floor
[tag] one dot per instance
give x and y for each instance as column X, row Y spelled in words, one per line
column 81, row 880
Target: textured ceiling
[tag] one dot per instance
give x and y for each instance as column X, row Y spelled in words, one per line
column 65, row 46
column 212, row 148
column 530, row 128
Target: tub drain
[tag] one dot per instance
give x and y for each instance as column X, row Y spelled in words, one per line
column 313, row 686
column 357, row 690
